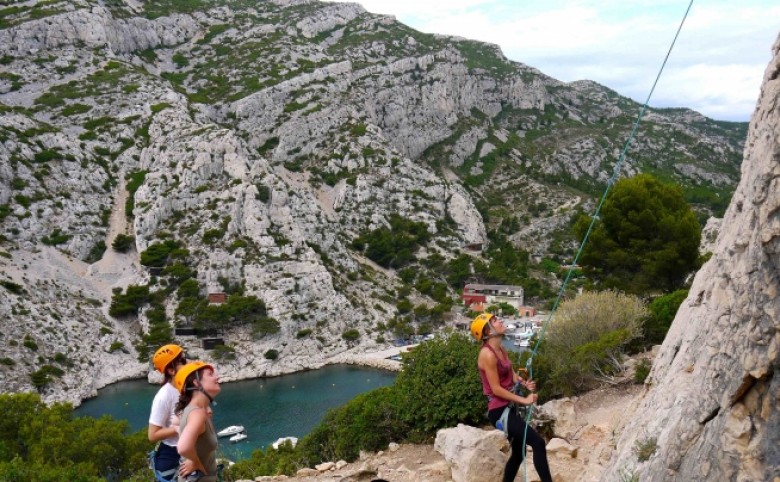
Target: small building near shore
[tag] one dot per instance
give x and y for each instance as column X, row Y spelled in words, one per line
column 481, row 296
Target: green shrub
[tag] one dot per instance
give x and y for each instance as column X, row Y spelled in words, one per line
column 268, row 145
column 662, row 312
column 284, row 460
column 358, row 130
column 303, row 333
column 56, row 237
column 263, row 193
column 645, row 448
column 43, row 376
column 88, row 136
column 271, row 354
column 156, row 255
column 587, row 338
column 158, row 107
column 367, row 422
column 393, row 247
column 188, row 288
column 123, row 242
column 134, row 180
column 46, row 156
column 30, row 343
column 224, row 352
column 449, row 364
column 641, row 371
column 14, row 288
column 180, row 60
column 40, row 442
column 117, row 345
column 74, row 109
column 211, row 236
column 129, row 303
column 351, row 335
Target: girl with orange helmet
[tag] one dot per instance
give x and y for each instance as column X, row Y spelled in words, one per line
column 498, row 379
column 198, row 384
column 163, row 423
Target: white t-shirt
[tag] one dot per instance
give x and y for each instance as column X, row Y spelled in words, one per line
column 162, row 414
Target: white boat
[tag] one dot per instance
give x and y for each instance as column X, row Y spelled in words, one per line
column 524, row 335
column 523, row 342
column 292, row 440
column 238, row 437
column 231, row 430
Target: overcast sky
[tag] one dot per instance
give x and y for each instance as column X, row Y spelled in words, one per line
column 716, row 66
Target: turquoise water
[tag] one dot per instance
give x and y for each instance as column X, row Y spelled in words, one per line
column 269, row 408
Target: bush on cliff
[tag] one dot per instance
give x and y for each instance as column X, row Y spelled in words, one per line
column 586, row 342
column 47, row 443
column 439, row 387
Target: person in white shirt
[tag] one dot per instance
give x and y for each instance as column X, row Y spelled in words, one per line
column 163, row 422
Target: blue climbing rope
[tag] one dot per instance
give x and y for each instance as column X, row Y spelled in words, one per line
column 612, row 179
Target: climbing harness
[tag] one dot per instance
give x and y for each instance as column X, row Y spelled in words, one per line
column 164, row 476
column 503, row 422
column 612, row 180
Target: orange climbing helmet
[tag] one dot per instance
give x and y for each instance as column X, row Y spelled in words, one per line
column 181, row 376
column 165, row 355
column 478, row 325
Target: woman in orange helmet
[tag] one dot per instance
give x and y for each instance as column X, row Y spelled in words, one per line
column 198, row 384
column 163, row 423
column 498, row 379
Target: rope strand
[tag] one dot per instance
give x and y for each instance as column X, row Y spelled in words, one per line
column 612, row 180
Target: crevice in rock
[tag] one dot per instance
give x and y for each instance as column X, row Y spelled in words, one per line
column 674, row 355
column 712, row 415
column 748, row 381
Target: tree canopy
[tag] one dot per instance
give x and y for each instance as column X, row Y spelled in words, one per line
column 393, row 247
column 48, row 443
column 646, row 238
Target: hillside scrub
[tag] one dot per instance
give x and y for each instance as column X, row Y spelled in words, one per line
column 439, row 387
column 47, row 443
column 586, row 341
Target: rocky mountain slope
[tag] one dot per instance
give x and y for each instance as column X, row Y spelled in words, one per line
column 264, row 138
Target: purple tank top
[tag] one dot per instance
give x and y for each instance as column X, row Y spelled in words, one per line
column 505, row 379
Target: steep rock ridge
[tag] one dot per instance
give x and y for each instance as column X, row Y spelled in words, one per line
column 711, row 408
column 265, row 139
column 95, row 27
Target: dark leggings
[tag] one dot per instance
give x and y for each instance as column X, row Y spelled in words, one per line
column 166, row 458
column 516, row 430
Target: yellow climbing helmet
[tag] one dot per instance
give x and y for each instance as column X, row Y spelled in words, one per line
column 185, row 371
column 165, row 355
column 478, row 325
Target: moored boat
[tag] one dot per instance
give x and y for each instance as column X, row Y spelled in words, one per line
column 231, row 430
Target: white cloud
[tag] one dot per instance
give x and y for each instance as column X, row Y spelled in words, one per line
column 716, row 67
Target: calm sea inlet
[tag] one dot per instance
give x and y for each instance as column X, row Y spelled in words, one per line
column 269, row 408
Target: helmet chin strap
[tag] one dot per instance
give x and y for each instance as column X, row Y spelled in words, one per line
column 211, row 399
column 201, row 390
column 493, row 333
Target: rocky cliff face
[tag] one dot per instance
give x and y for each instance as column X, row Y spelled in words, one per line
column 265, row 137
column 711, row 408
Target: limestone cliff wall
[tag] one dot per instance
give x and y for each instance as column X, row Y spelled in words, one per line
column 711, row 408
